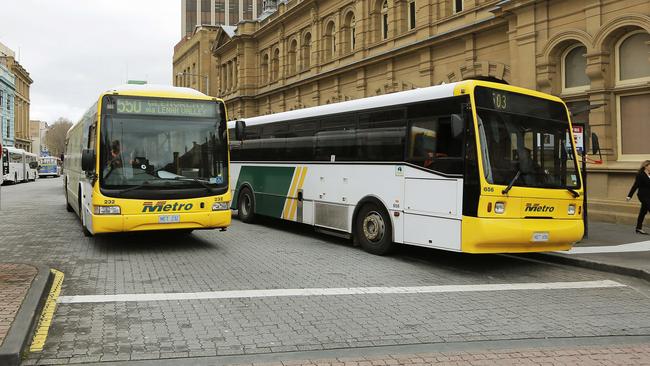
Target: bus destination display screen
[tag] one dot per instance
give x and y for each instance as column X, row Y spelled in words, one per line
column 163, row 107
column 508, row 102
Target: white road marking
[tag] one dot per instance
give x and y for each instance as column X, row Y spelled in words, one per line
column 244, row 294
column 643, row 246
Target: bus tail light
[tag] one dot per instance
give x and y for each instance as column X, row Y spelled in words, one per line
column 220, row 206
column 572, row 210
column 107, row 210
column 500, row 207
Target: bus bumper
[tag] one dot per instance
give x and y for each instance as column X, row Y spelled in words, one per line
column 203, row 220
column 489, row 235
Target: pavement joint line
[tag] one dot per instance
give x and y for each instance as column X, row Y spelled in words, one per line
column 239, row 294
column 43, row 327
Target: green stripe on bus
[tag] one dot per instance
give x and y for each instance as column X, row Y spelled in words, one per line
column 270, row 185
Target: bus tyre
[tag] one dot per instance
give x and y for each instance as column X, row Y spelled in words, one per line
column 246, row 206
column 373, row 230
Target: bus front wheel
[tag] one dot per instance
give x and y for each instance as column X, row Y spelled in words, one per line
column 373, row 230
column 246, row 206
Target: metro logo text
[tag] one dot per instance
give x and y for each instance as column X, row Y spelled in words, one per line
column 536, row 207
column 163, row 206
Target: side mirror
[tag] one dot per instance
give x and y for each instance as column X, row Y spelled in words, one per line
column 88, row 160
column 457, row 125
column 240, row 130
column 595, row 145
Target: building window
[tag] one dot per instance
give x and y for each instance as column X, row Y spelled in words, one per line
column 265, row 68
column 293, row 57
column 458, row 6
column 632, row 57
column 248, row 9
column 233, row 12
column 330, row 41
column 220, row 12
column 634, row 129
column 384, row 20
column 206, row 14
column 411, row 17
column 349, row 32
column 574, row 69
column 306, row 51
column 275, row 65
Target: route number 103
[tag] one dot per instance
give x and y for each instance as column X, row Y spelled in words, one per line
column 500, row 101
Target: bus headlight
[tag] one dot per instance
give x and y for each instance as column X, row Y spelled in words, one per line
column 220, row 206
column 107, row 210
column 572, row 209
column 500, row 207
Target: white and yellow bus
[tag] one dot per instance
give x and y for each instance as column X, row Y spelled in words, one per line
column 473, row 167
column 149, row 158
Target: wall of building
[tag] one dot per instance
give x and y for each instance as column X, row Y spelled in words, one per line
column 7, row 95
column 304, row 55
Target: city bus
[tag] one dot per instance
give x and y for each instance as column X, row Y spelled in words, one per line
column 49, row 166
column 14, row 165
column 147, row 157
column 31, row 164
column 472, row 166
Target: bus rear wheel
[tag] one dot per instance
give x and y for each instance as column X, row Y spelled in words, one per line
column 373, row 229
column 246, row 206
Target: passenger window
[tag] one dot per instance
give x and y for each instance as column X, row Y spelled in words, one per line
column 336, row 139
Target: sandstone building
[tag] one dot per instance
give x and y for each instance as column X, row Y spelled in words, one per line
column 593, row 53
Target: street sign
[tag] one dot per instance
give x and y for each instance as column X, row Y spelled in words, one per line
column 579, row 138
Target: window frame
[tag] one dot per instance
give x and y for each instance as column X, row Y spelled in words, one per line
column 617, row 64
column 619, row 137
column 384, row 11
column 455, row 6
column 411, row 11
column 563, row 72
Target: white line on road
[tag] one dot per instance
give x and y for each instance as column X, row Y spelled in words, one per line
column 642, row 246
column 243, row 294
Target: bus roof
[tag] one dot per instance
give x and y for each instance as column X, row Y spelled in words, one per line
column 409, row 96
column 156, row 90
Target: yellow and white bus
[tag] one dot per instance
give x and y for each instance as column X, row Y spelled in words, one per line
column 148, row 157
column 473, row 167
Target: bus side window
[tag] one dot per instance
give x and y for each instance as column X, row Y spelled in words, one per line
column 337, row 137
column 300, row 141
column 250, row 147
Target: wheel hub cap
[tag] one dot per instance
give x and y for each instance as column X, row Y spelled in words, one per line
column 374, row 227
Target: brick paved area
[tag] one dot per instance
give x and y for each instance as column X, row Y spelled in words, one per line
column 15, row 280
column 585, row 356
column 35, row 225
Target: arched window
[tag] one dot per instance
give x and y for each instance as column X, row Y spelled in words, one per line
column 632, row 57
column 633, row 99
column 384, row 20
column 293, row 57
column 275, row 65
column 265, row 68
column 329, row 41
column 574, row 69
column 349, row 33
column 306, row 51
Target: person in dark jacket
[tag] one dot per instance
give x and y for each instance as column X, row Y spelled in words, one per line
column 642, row 183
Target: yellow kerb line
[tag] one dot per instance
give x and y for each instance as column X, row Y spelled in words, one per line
column 48, row 313
column 287, row 203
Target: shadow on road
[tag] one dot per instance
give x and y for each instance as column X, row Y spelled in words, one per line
column 146, row 242
column 472, row 264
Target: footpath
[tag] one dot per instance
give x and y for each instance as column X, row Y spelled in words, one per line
column 609, row 247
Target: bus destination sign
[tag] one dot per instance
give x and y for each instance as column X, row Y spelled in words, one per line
column 162, row 107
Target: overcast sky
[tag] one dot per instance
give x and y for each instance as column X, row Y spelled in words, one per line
column 75, row 49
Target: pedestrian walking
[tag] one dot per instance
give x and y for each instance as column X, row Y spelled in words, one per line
column 642, row 183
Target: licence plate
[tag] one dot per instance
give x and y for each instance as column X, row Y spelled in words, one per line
column 169, row 219
column 540, row 237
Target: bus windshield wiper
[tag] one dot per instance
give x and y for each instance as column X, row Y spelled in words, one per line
column 573, row 192
column 509, row 187
column 143, row 184
column 196, row 180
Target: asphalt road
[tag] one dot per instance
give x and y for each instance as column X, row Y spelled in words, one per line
column 184, row 311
